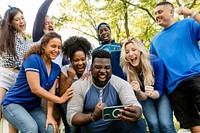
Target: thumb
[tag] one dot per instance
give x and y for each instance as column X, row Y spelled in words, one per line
column 46, row 126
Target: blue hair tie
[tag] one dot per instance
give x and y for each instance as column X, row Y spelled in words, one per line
column 11, row 9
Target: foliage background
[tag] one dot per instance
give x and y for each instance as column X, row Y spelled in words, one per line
column 125, row 17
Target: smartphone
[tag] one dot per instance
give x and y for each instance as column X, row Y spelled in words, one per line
column 111, row 113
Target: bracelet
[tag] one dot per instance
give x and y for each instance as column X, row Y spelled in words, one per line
column 93, row 117
column 194, row 13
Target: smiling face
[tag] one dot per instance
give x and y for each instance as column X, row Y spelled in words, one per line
column 101, row 71
column 105, row 34
column 164, row 15
column 52, row 49
column 18, row 22
column 79, row 62
column 133, row 55
column 48, row 25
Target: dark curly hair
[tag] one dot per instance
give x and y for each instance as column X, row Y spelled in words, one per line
column 74, row 44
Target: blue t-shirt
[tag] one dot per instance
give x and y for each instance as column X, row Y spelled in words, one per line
column 179, row 50
column 21, row 93
column 115, row 50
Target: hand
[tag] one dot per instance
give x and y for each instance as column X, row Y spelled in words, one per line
column 98, row 109
column 67, row 95
column 135, row 85
column 71, row 72
column 149, row 90
column 130, row 113
column 184, row 11
column 51, row 120
column 85, row 76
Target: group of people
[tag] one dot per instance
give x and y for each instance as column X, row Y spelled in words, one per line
column 155, row 83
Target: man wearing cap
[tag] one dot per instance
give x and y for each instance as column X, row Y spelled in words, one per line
column 104, row 35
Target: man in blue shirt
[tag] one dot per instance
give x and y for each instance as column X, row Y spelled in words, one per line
column 104, row 89
column 177, row 45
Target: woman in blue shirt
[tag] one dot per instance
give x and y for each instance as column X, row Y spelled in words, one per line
column 38, row 78
column 146, row 75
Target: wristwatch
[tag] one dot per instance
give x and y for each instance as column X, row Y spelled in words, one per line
column 194, row 13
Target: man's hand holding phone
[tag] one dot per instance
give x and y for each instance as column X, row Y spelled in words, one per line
column 130, row 113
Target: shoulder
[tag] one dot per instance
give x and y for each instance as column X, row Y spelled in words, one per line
column 82, row 85
column 33, row 57
column 114, row 43
column 118, row 82
column 55, row 66
column 187, row 21
column 32, row 62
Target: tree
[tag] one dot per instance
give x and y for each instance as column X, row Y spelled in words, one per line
column 125, row 17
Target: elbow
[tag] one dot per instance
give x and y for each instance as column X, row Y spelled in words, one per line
column 35, row 90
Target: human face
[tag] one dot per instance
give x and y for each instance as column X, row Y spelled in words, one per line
column 18, row 22
column 48, row 25
column 101, row 71
column 164, row 15
column 133, row 55
column 79, row 62
column 52, row 49
column 105, row 34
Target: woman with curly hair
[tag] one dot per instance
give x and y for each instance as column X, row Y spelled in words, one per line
column 78, row 50
column 145, row 73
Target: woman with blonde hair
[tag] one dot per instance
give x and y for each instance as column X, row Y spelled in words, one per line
column 145, row 73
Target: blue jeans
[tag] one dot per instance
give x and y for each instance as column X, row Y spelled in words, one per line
column 119, row 126
column 33, row 121
column 158, row 114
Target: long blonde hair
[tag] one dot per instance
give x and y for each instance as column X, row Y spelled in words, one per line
column 147, row 68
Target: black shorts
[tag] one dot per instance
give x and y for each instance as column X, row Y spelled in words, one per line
column 185, row 100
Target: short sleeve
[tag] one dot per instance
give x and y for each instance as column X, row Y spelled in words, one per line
column 31, row 63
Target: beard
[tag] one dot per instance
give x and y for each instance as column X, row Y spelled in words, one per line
column 100, row 83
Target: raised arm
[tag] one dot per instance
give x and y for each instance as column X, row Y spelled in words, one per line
column 185, row 11
column 39, row 20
